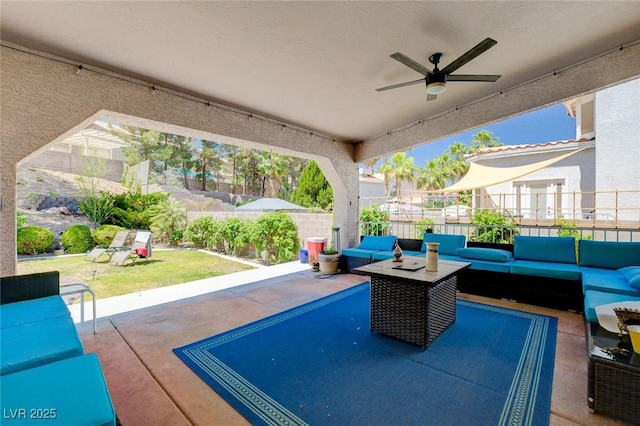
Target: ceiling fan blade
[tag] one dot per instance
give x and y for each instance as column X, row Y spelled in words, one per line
column 395, row 86
column 431, row 97
column 475, row 51
column 410, row 63
column 473, row 77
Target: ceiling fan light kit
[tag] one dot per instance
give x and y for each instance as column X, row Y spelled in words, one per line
column 436, row 87
column 436, row 80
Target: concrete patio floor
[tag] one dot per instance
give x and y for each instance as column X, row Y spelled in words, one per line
column 149, row 385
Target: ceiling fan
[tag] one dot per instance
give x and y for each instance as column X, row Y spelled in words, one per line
column 436, row 80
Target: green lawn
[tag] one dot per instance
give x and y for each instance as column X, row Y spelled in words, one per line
column 165, row 268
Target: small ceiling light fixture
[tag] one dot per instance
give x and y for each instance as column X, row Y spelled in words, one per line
column 80, row 68
column 436, row 84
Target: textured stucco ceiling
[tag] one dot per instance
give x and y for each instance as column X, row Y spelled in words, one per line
column 316, row 64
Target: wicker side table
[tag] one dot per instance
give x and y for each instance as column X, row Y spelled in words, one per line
column 614, row 375
column 414, row 306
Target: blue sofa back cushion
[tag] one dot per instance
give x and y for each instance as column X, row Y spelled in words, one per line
column 371, row 242
column 632, row 273
column 609, row 254
column 478, row 253
column 448, row 243
column 545, row 249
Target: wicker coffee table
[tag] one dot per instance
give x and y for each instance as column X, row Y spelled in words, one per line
column 414, row 306
column 614, row 375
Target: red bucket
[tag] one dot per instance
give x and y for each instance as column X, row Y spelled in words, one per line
column 315, row 246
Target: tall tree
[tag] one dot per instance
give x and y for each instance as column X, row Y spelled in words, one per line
column 143, row 144
column 208, row 162
column 248, row 171
column 314, row 189
column 182, row 155
column 231, row 153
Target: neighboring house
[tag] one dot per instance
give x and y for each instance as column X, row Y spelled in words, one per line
column 601, row 182
column 371, row 188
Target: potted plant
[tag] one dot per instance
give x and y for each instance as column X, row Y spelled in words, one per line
column 328, row 260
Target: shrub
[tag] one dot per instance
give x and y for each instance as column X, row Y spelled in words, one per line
column 97, row 207
column 422, row 226
column 276, row 235
column 376, row 221
column 21, row 220
column 77, row 239
column 493, row 227
column 34, row 240
column 202, row 232
column 104, row 234
column 132, row 210
column 236, row 234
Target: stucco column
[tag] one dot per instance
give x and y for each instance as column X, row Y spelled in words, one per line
column 8, row 257
column 342, row 175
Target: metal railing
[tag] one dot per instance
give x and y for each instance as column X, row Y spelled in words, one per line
column 600, row 209
column 496, row 234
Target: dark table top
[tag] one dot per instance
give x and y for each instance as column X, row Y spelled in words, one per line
column 389, row 269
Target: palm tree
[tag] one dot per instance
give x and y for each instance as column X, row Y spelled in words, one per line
column 166, row 217
column 403, row 169
column 273, row 168
column 433, row 176
column 458, row 164
column 484, row 139
column 387, row 171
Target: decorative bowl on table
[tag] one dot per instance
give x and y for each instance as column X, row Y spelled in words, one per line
column 626, row 316
column 608, row 319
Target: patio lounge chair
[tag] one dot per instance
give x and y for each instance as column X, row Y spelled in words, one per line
column 118, row 244
column 141, row 249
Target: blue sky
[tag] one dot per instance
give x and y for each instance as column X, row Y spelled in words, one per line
column 545, row 125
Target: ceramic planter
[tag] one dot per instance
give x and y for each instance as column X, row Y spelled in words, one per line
column 328, row 263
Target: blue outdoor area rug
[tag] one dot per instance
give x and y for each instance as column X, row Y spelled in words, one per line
column 319, row 364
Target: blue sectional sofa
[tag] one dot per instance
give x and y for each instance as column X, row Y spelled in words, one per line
column 44, row 373
column 545, row 271
column 610, row 273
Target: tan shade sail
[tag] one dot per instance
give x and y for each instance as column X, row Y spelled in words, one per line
column 480, row 176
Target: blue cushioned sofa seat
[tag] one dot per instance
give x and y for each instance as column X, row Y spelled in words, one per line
column 27, row 311
column 563, row 271
column 593, row 298
column 358, row 252
column 414, row 253
column 75, row 388
column 479, row 253
column 545, row 249
column 487, row 265
column 607, row 280
column 29, row 344
column 448, row 243
column 382, row 255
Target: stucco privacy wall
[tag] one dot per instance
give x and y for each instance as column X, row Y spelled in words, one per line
column 308, row 224
column 43, row 100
